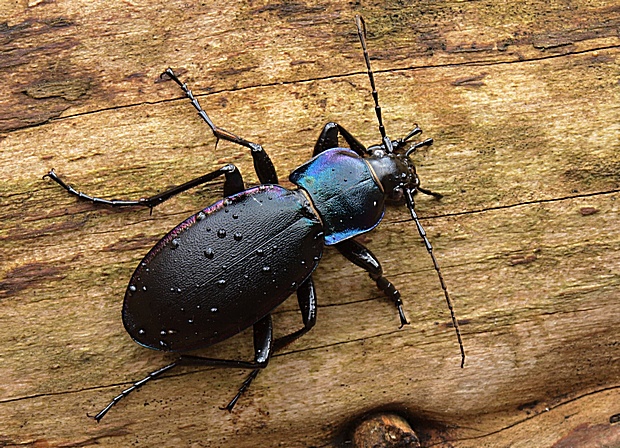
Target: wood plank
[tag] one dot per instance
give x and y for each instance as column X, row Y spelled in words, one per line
column 523, row 103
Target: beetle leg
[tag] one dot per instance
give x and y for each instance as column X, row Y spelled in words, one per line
column 329, row 139
column 359, row 255
column 263, row 347
column 262, row 163
column 244, row 386
column 263, row 344
column 232, row 184
column 135, row 386
column 306, row 296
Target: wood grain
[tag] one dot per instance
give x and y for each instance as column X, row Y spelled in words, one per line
column 523, row 101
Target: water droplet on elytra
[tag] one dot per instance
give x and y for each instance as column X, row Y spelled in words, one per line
column 144, row 288
column 209, row 253
column 237, row 236
column 266, row 269
column 235, row 216
column 221, row 233
column 132, row 288
column 175, row 243
column 200, row 216
column 141, row 331
column 221, row 283
column 214, row 310
column 260, row 252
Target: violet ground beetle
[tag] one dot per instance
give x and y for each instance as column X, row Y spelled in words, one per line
column 227, row 267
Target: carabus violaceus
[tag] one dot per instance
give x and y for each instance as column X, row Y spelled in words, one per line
column 227, row 267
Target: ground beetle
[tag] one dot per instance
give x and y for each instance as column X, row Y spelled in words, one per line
column 227, row 267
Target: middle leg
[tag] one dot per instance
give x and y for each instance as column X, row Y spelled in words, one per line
column 306, row 296
column 262, row 163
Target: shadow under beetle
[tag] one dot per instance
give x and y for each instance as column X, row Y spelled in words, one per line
column 227, row 267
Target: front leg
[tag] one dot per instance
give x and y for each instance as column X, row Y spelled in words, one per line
column 359, row 255
column 329, row 139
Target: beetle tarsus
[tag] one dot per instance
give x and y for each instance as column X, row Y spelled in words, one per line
column 133, row 387
column 244, row 386
column 401, row 314
column 103, row 412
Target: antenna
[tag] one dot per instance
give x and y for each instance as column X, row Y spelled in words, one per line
column 429, row 248
column 361, row 32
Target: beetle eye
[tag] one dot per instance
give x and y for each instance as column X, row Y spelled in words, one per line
column 397, row 194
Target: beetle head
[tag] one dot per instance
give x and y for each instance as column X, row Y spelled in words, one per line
column 393, row 166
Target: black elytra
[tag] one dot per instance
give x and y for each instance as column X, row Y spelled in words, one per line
column 227, row 267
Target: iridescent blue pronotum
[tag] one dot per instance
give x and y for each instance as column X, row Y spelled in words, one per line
column 227, row 267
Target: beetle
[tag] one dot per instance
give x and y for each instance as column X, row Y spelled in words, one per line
column 227, row 267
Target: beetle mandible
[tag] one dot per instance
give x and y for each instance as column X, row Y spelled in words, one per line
column 216, row 274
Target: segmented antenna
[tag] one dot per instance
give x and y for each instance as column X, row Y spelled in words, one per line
column 429, row 248
column 361, row 32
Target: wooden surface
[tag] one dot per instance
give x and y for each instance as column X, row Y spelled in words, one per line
column 523, row 101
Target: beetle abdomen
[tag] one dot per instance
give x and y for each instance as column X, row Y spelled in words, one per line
column 344, row 191
column 223, row 269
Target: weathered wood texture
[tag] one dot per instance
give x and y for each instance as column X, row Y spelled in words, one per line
column 523, row 101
